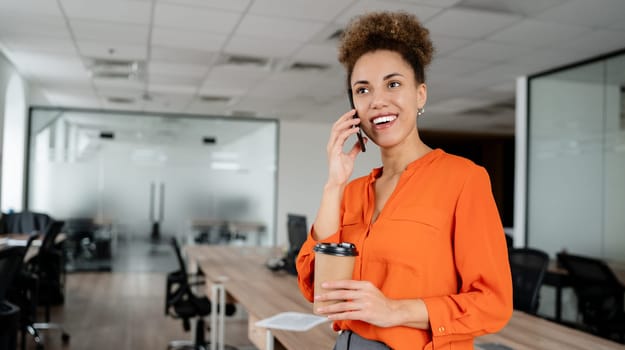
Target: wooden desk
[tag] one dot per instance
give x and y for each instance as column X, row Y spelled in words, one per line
column 527, row 332
column 262, row 292
column 265, row 293
column 10, row 238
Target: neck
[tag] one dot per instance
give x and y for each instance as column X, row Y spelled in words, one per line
column 396, row 159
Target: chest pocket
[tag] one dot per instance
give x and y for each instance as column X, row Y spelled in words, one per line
column 422, row 231
column 353, row 227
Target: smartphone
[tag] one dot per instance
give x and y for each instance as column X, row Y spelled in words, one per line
column 361, row 141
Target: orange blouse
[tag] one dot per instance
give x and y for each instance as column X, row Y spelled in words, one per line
column 438, row 238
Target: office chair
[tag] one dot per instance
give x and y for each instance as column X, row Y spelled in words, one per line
column 23, row 293
column 182, row 303
column 528, row 267
column 48, row 268
column 599, row 295
column 10, row 258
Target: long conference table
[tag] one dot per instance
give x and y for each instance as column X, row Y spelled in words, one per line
column 264, row 293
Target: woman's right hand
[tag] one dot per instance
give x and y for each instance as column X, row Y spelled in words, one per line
column 341, row 164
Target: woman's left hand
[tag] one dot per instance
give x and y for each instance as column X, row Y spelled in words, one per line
column 358, row 300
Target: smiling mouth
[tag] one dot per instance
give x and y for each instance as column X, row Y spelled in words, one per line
column 384, row 119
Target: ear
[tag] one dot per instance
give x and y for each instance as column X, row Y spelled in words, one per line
column 422, row 95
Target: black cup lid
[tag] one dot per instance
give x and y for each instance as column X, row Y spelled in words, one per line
column 338, row 249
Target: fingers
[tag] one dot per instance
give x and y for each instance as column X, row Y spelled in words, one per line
column 342, row 129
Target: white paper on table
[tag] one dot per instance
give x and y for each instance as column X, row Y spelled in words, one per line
column 4, row 241
column 292, row 321
column 23, row 242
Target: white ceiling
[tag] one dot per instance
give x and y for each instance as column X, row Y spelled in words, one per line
column 183, row 45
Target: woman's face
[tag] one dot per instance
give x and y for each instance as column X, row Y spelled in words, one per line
column 387, row 97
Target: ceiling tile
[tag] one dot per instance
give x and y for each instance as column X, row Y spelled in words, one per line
column 48, row 66
column 535, row 33
column 8, row 8
column 595, row 13
column 546, row 59
column 469, row 24
column 489, row 51
column 278, row 28
column 239, row 77
column 261, row 47
column 118, row 84
column 286, row 84
column 203, row 20
column 188, row 90
column 110, row 10
column 443, row 44
column 185, row 39
column 232, row 5
column 455, row 66
column 515, row 7
column 325, row 54
column 37, row 43
column 76, row 98
column 322, row 10
column 53, row 26
column 186, row 70
column 435, row 3
column 110, row 31
column 112, row 50
column 180, row 55
column 596, row 42
column 361, row 7
column 175, row 80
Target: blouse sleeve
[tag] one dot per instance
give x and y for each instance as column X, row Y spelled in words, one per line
column 305, row 263
column 484, row 301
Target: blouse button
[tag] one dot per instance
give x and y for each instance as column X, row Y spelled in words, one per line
column 441, row 329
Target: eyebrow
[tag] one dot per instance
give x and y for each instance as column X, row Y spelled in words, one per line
column 386, row 77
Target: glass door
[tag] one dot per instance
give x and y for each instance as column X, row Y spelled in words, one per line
column 154, row 176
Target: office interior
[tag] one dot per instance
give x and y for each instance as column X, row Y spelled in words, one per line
column 138, row 121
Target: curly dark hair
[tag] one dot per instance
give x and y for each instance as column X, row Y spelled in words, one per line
column 400, row 31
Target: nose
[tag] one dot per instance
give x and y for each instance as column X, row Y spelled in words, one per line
column 378, row 100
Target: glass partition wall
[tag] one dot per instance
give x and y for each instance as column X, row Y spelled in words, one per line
column 576, row 159
column 153, row 175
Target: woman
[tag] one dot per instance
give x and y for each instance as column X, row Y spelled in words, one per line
column 432, row 270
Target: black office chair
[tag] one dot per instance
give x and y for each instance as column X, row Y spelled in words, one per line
column 10, row 258
column 49, row 270
column 528, row 268
column 599, row 295
column 23, row 293
column 182, row 303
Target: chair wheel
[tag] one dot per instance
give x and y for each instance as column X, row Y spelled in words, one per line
column 65, row 338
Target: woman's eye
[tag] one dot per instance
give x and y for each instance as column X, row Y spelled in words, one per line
column 362, row 90
column 394, row 84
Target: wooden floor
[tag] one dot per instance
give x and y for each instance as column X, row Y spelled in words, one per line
column 123, row 311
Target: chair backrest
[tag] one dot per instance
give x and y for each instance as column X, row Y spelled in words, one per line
column 10, row 260
column 297, row 230
column 26, row 222
column 50, row 233
column 599, row 292
column 182, row 265
column 528, row 267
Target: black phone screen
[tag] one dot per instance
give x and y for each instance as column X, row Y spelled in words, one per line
column 359, row 133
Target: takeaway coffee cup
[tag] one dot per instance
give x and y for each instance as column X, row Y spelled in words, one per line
column 333, row 261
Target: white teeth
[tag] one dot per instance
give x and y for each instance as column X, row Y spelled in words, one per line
column 385, row 119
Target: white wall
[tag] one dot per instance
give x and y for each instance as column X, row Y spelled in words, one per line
column 303, row 170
